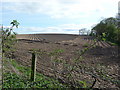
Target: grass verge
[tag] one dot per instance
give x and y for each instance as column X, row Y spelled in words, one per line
column 22, row 80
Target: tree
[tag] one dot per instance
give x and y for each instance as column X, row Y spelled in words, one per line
column 108, row 29
column 99, row 28
column 110, row 21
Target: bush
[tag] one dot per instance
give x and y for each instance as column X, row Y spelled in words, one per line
column 108, row 30
column 9, row 39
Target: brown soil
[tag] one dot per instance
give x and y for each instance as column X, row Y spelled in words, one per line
column 101, row 61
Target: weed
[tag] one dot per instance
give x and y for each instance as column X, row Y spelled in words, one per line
column 12, row 80
column 86, row 45
column 84, row 84
column 56, row 52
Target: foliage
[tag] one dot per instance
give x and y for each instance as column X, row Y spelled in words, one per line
column 9, row 38
column 56, row 52
column 83, row 84
column 13, row 80
column 86, row 45
column 108, row 30
column 15, row 23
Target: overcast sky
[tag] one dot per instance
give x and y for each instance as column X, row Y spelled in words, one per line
column 56, row 16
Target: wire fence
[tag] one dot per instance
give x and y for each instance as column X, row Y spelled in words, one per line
column 73, row 72
column 60, row 68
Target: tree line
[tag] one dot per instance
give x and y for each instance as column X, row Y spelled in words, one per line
column 107, row 29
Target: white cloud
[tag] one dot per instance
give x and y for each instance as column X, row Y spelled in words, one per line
column 65, row 8
column 20, row 0
column 6, row 27
column 0, row 12
column 64, row 28
column 119, row 7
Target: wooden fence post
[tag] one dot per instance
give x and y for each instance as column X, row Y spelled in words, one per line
column 33, row 66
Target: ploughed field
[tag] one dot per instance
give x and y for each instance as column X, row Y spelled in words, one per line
column 72, row 58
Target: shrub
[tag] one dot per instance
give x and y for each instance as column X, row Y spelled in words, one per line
column 9, row 38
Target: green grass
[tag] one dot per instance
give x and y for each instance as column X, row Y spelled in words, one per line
column 86, row 45
column 12, row 80
column 114, row 44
